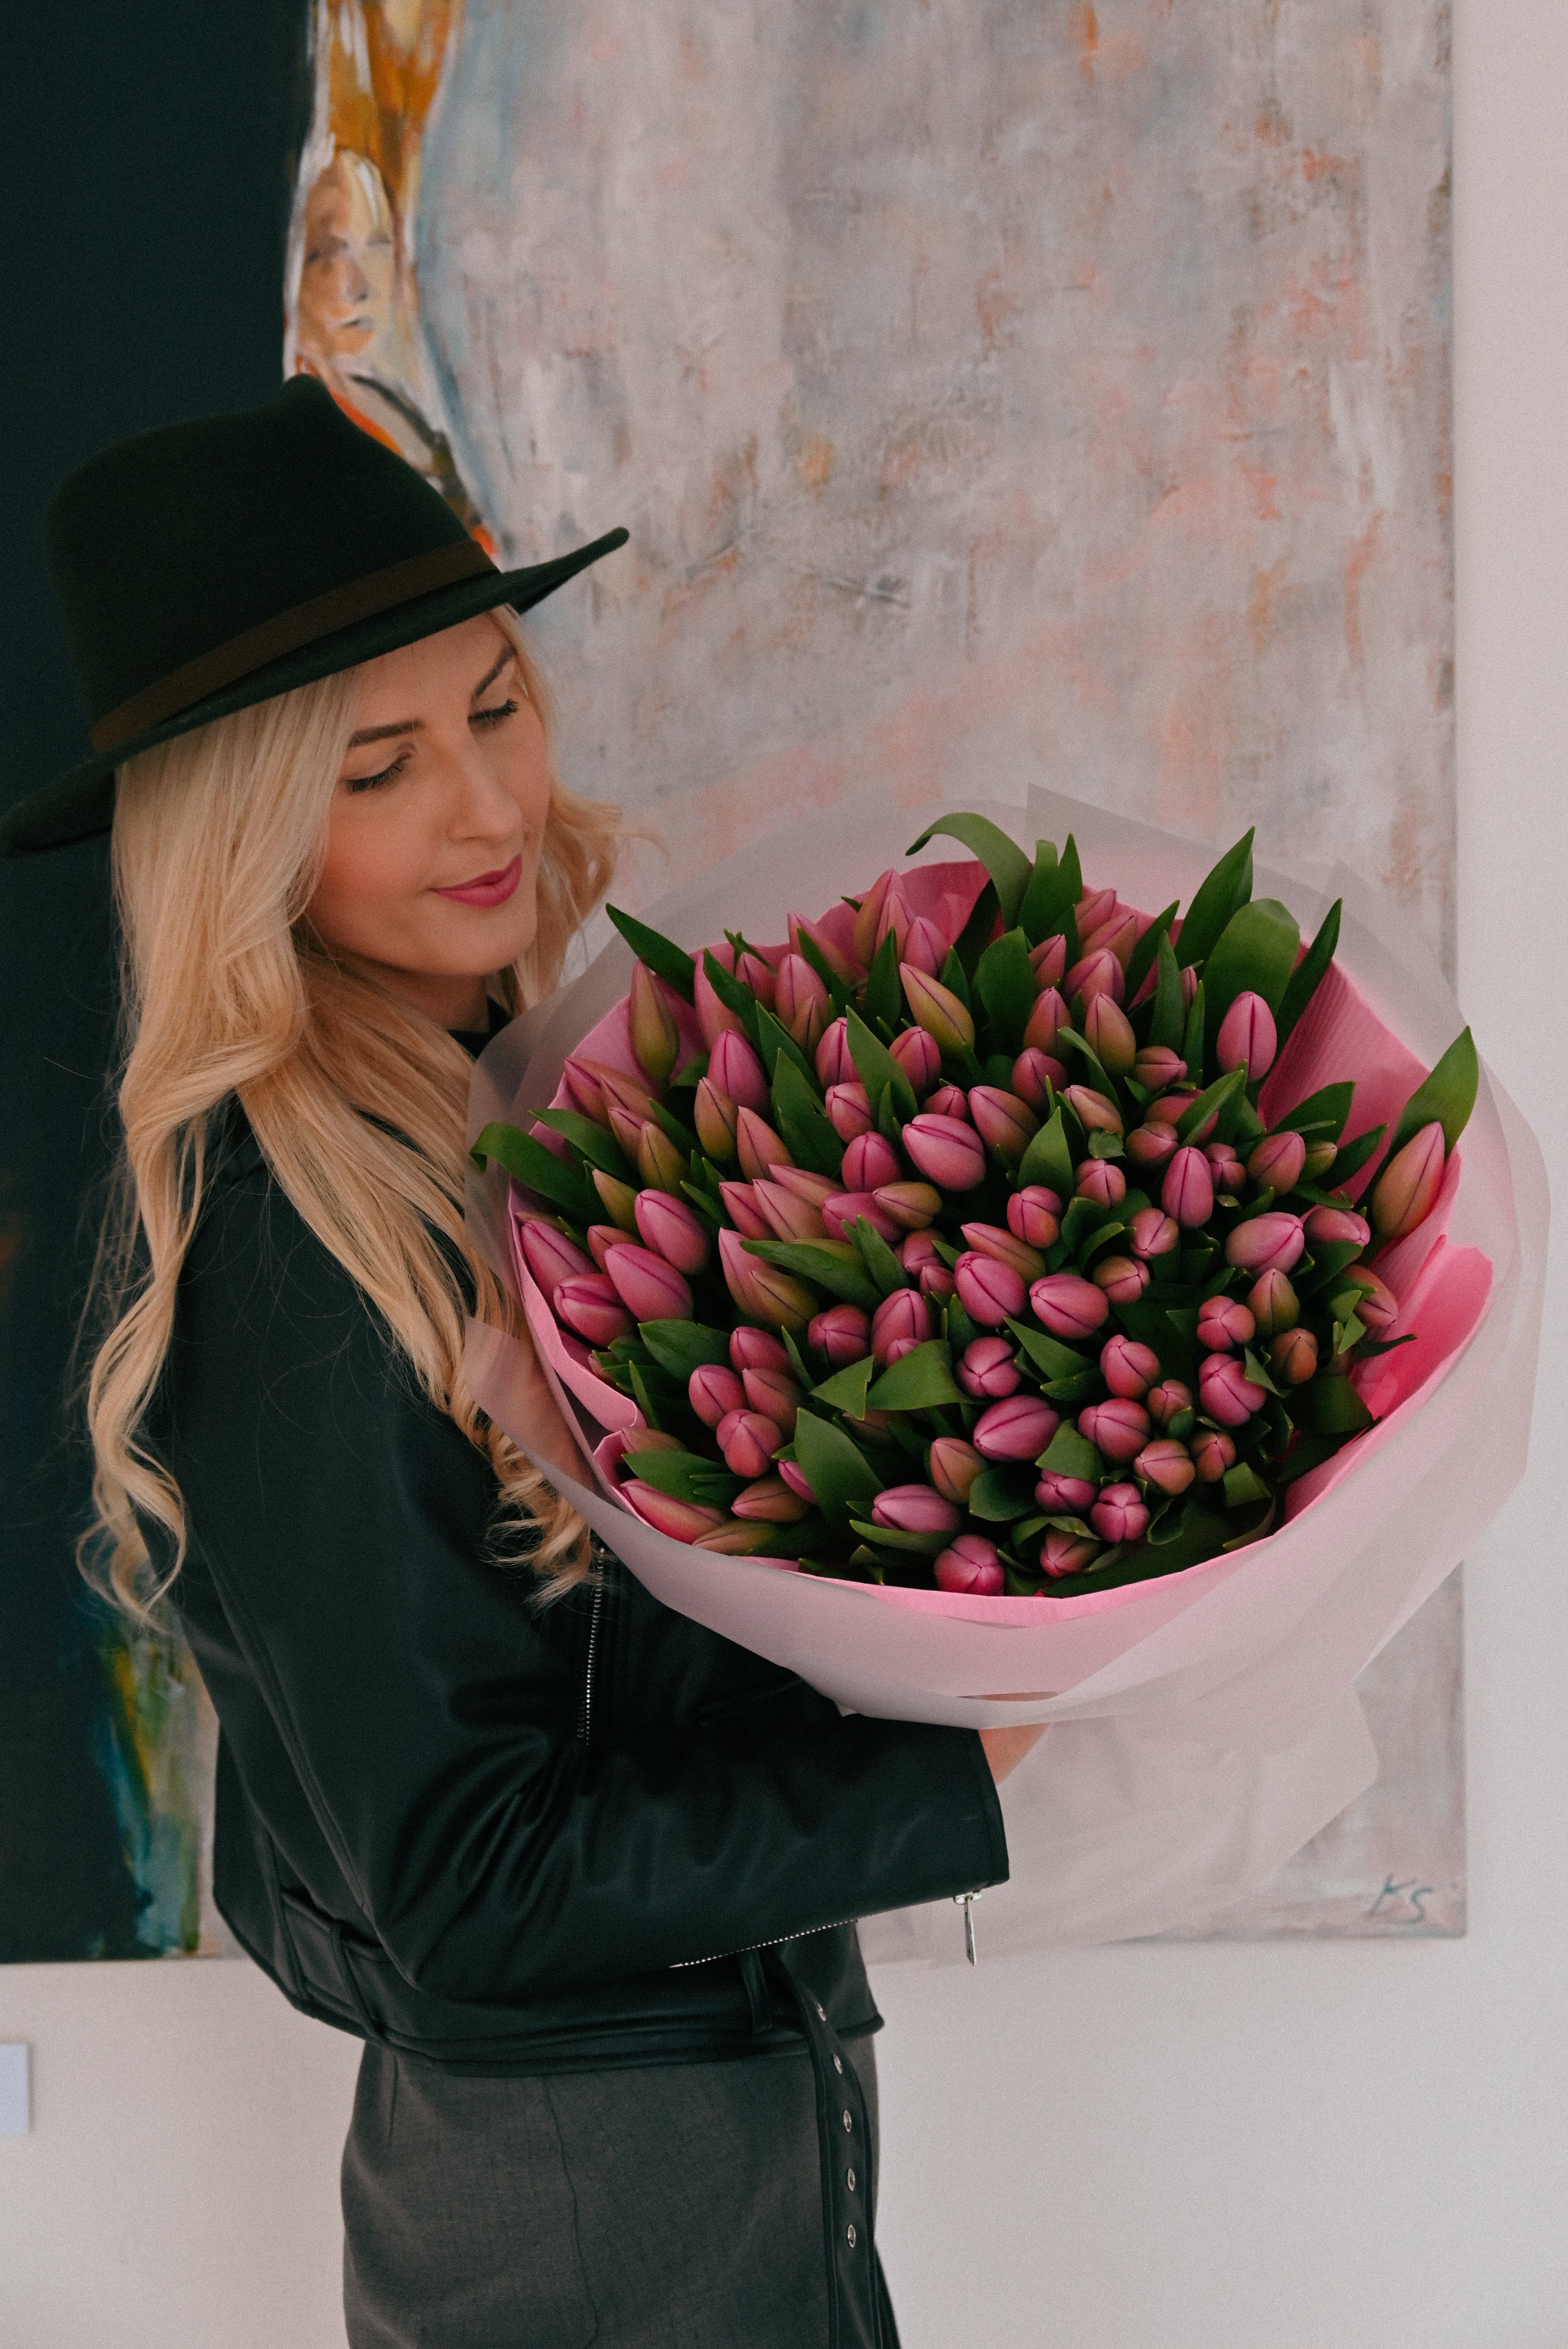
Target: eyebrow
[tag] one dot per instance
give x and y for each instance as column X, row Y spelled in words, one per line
column 416, row 725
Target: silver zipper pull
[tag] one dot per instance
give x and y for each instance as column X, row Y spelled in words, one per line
column 966, row 1900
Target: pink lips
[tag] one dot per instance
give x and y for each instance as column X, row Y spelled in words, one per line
column 488, row 888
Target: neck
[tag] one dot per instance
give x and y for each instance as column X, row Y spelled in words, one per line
column 449, row 1002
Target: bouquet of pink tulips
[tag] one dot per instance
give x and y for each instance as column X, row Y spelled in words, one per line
column 984, row 1237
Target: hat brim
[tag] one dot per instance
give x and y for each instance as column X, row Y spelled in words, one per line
column 80, row 804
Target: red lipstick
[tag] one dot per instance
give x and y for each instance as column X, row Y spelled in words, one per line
column 487, row 888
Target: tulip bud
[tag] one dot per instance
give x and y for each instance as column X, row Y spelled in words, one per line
column 1166, row 1466
column 1003, row 1121
column 757, row 1146
column 714, row 1116
column 850, row 1109
column 1046, row 1021
column 1223, row 1324
column 987, row 1371
column 1171, row 1108
column 894, row 918
column 1247, row 1037
column 1320, row 1157
column 1124, row 1278
column 748, row 1443
column 1153, row 1233
column 870, row 1159
column 1096, row 974
column 1225, row 1169
column 682, row 1520
column 1379, row 1307
column 588, row 1093
column 1165, row 1402
column 911, row 1205
column 1325, row 1226
column 1034, row 1216
column 867, row 918
column 650, row 1289
column 1118, row 934
column 905, row 1316
column 834, row 1062
column 843, row 1333
column 972, row 1566
column 919, row 1057
column 914, row 1509
column 925, row 947
column 814, row 1189
column 937, row 1009
column 1094, row 906
column 1226, row 1392
column 1036, row 1077
column 588, row 1304
column 987, row 1291
column 770, row 1501
column 760, row 1289
column 1157, row 1066
column 760, row 976
column 550, row 1255
column 847, row 1207
column 713, row 1392
column 1069, row 1306
column 1097, row 1179
column 1188, row 1190
column 800, row 1001
column 655, row 1038
column 955, row 1467
column 602, row 1238
column 758, row 1349
column 774, row 1394
column 735, row 1070
column 948, row 1101
column 1120, row 1515
column 990, row 1239
column 1212, row 1454
column 1119, row 1430
column 1063, row 1494
column 658, row 1160
column 626, row 1128
column 1149, row 1147
column 1273, row 1305
column 1277, row 1161
column 1017, row 1428
column 794, row 1476
column 1293, row 1356
column 1062, row 1553
column 1270, row 1243
column 1127, row 1368
column 950, row 1154
column 744, row 1210
column 788, row 1218
column 1048, row 960
column 1108, row 1033
column 713, row 1017
column 841, row 965
column 673, row 1230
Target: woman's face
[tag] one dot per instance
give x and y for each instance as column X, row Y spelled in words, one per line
column 438, row 817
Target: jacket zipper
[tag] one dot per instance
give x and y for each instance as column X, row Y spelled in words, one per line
column 585, row 1729
column 747, row 1947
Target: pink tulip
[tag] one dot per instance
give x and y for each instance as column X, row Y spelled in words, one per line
column 735, row 1068
column 589, row 1305
column 673, row 1230
column 1223, row 1324
column 1172, row 1107
column 655, row 1038
column 1157, row 1066
column 905, row 1316
column 794, row 1476
column 1320, row 1157
column 1226, row 1392
column 1149, row 1147
column 991, row 1239
column 1166, row 1466
column 551, row 1256
column 1273, row 1304
column 1293, row 1356
column 937, row 1009
column 915, row 1249
column 650, row 1289
column 1094, row 906
column 1097, row 974
column 949, row 1101
column 1097, row 1179
column 849, row 1110
column 847, row 1207
column 912, row 1206
column 1120, row 1515
column 971, row 1566
column 788, row 1218
column 919, row 1057
column 1270, row 1243
column 713, row 1017
column 744, row 1210
column 802, row 1185
column 1247, row 1037
column 1379, row 1307
column 753, row 971
column 1226, row 1170
column 1048, row 960
column 1107, row 1031
column 771, row 1501
column 1212, row 1454
column 870, row 1159
column 774, row 1394
column 895, row 916
column 1063, row 1495
column 1062, row 1553
column 986, row 1369
column 748, row 1443
column 1008, row 1124
column 588, row 1093
column 1153, row 1233
column 1037, row 1077
column 955, row 1467
column 1046, row 1021
column 1017, row 1428
column 1127, row 1368
column 868, row 918
column 950, row 1154
column 762, row 1291
column 757, row 1146
column 1033, row 1215
column 843, row 1333
column 1163, row 1401
column 834, row 1061
column 1118, row 934
column 682, row 1520
column 602, row 1238
column 1095, row 1112
column 713, row 1392
column 661, row 1162
column 714, row 1115
column 1069, row 1306
column 1124, row 1278
column 758, row 1349
column 914, row 1509
column 1276, row 1163
column 841, row 965
column 1325, row 1225
column 925, row 947
column 1119, row 1430
column 800, row 1001
column 987, row 1291
column 1188, row 1190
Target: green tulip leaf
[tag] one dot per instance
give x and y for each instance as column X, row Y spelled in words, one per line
column 842, row 1479
column 1140, row 962
column 1321, row 1116
column 592, row 1142
column 975, row 935
column 921, row 1380
column 895, row 1538
column 664, row 957
column 846, row 1389
column 1353, row 1155
column 877, row 1257
column 1048, row 1159
column 1305, row 977
column 732, row 993
column 1008, row 868
column 1255, row 955
column 686, row 1476
column 875, row 1065
column 1168, row 1024
column 1223, row 894
column 682, row 1347
column 1054, row 888
column 1447, row 1098
column 832, row 1265
column 1328, row 1405
column 1001, row 1496
column 1242, row 1486
column 559, row 1180
column 1068, row 1454
column 1208, row 1104
column 804, row 1124
column 1005, row 985
column 1193, row 1040
column 1048, row 1355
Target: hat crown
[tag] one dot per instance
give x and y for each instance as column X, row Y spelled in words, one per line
column 175, row 543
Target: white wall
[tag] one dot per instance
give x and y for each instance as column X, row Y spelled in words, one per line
column 1140, row 2148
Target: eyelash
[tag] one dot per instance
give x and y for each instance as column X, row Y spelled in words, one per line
column 480, row 718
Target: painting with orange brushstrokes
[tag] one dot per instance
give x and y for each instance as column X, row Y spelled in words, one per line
column 1026, row 393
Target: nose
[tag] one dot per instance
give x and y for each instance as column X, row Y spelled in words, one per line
column 481, row 808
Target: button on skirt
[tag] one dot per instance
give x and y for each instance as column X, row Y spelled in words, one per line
column 675, row 2207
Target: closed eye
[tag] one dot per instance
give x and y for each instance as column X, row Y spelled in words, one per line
column 493, row 716
column 387, row 775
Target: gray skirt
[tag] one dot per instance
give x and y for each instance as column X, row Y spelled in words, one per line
column 675, row 2207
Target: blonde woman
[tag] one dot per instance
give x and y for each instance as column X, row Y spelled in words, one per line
column 576, row 1870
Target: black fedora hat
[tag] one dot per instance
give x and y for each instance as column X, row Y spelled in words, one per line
column 207, row 566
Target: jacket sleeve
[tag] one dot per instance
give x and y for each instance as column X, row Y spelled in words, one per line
column 341, row 1519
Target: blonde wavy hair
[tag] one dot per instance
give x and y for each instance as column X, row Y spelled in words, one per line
column 218, row 840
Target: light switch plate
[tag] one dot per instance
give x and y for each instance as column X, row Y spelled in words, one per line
column 13, row 2089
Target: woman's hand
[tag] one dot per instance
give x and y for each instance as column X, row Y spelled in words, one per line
column 1005, row 1748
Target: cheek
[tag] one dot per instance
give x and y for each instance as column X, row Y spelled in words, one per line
column 375, row 864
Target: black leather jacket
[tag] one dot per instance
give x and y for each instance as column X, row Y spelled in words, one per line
column 501, row 1836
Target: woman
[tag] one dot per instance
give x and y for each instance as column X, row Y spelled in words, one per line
column 576, row 1870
